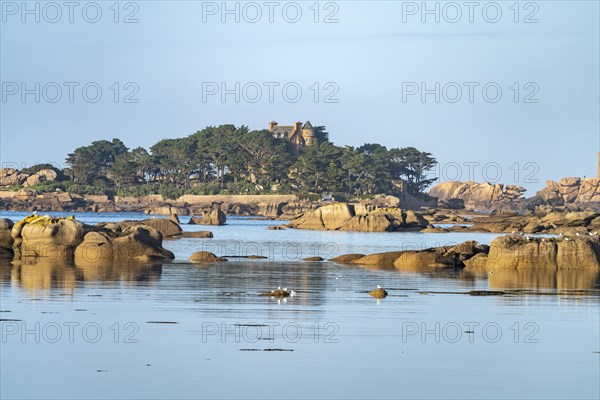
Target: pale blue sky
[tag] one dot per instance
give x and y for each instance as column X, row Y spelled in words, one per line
column 369, row 54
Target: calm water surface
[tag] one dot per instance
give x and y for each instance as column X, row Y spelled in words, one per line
column 183, row 331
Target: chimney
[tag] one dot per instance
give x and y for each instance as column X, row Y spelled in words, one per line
column 272, row 125
column 298, row 126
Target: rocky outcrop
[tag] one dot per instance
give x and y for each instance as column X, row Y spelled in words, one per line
column 165, row 226
column 167, row 209
column 40, row 177
column 380, row 220
column 30, row 200
column 67, row 240
column 572, row 192
column 330, row 217
column 9, row 177
column 521, row 252
column 138, row 243
column 214, row 217
column 6, row 239
column 12, row 177
column 443, row 256
column 477, row 262
column 551, row 222
column 47, row 237
column 295, row 209
column 484, row 196
column 386, row 220
column 271, row 209
column 342, row 216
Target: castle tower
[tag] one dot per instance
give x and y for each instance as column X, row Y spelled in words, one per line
column 296, row 134
column 308, row 134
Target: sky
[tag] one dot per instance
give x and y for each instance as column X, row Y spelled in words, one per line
column 505, row 92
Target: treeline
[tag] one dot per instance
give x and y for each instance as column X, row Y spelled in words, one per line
column 234, row 160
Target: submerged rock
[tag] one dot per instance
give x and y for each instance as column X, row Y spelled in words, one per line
column 346, row 258
column 198, row 234
column 424, row 258
column 313, row 259
column 387, row 258
column 277, row 227
column 379, row 293
column 278, row 294
column 205, row 257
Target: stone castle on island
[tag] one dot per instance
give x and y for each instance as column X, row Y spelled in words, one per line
column 299, row 134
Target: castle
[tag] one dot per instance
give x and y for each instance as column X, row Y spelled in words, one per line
column 300, row 135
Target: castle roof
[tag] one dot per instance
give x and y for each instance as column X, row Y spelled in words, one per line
column 283, row 129
column 307, row 125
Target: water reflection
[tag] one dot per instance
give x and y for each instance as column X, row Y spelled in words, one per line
column 41, row 276
column 531, row 278
column 544, row 279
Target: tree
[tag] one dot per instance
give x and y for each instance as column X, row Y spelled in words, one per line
column 212, row 158
column 90, row 163
column 145, row 167
column 123, row 170
column 411, row 166
column 356, row 177
column 175, row 159
column 311, row 169
column 265, row 159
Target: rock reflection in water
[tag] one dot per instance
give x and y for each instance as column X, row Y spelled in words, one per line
column 537, row 278
column 533, row 278
column 42, row 276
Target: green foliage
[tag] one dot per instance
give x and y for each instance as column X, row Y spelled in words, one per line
column 48, row 186
column 234, row 160
column 91, row 162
